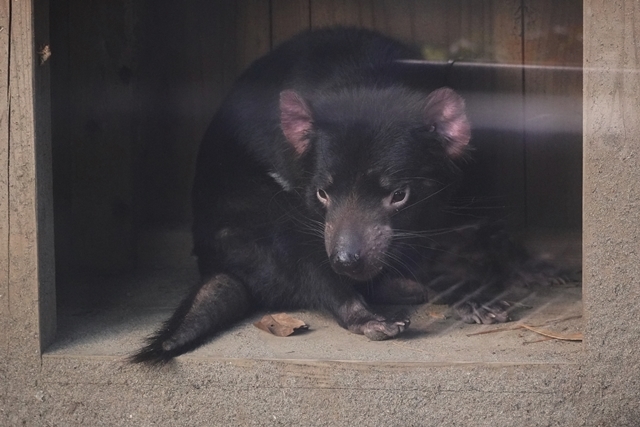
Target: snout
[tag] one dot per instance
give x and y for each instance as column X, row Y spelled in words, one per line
column 346, row 256
column 357, row 250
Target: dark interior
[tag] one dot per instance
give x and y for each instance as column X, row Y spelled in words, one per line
column 135, row 83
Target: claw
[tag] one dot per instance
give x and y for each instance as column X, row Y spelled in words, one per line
column 472, row 312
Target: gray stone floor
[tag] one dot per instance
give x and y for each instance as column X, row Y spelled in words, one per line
column 115, row 321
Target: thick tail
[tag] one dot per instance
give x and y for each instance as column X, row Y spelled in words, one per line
column 218, row 302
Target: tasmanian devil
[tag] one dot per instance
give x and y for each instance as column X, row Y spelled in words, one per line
column 322, row 183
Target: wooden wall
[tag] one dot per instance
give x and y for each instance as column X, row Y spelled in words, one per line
column 135, row 84
column 26, row 196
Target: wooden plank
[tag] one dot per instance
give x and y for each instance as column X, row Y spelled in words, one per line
column 456, row 29
column 98, row 131
column 62, row 154
column 4, row 192
column 190, row 55
column 395, row 18
column 436, row 27
column 341, row 12
column 178, row 74
column 185, row 66
column 495, row 177
column 476, row 40
column 288, row 17
column 44, row 174
column 26, row 257
column 553, row 122
column 4, row 141
column 253, row 32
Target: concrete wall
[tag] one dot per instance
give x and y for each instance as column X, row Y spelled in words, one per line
column 601, row 390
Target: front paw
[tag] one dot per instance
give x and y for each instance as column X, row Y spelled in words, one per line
column 379, row 328
column 358, row 318
column 483, row 313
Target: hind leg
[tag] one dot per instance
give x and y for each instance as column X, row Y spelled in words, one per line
column 475, row 299
column 489, row 312
column 215, row 304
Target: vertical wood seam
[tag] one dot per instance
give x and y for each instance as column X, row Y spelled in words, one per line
column 523, row 88
column 8, row 164
column 270, row 25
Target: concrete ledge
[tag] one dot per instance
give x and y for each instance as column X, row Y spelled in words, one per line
column 292, row 392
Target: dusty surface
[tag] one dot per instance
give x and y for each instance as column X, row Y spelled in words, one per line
column 115, row 324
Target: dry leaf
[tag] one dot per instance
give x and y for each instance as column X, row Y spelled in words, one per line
column 438, row 311
column 281, row 324
column 440, row 316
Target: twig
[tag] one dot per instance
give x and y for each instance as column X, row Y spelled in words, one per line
column 566, row 337
column 508, row 328
column 522, row 325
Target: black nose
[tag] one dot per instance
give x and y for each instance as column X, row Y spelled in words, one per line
column 347, row 262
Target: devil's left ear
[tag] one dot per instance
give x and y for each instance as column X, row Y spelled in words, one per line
column 295, row 120
column 445, row 114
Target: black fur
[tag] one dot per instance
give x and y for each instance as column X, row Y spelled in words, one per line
column 323, row 179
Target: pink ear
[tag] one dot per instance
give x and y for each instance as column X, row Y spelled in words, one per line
column 295, row 120
column 445, row 111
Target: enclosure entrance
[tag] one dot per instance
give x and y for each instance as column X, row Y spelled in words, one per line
column 134, row 86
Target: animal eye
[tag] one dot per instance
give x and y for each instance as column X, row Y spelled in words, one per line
column 399, row 196
column 322, row 196
column 432, row 128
